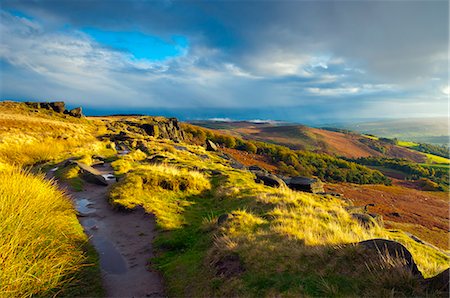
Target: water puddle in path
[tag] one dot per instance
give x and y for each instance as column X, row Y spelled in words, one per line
column 84, row 206
column 111, row 260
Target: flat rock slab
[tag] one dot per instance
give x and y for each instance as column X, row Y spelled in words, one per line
column 91, row 175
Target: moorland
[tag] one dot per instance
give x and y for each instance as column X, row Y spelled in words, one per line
column 228, row 220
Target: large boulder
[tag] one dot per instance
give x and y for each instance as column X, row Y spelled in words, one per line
column 313, row 185
column 77, row 112
column 438, row 283
column 269, row 179
column 393, row 249
column 91, row 175
column 210, row 146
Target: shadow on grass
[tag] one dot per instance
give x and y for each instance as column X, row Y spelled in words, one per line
column 272, row 264
column 85, row 282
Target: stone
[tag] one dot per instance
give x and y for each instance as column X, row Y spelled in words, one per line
column 57, row 106
column 91, row 175
column 210, row 146
column 255, row 168
column 77, row 112
column 222, row 219
column 395, row 250
column 313, row 185
column 269, row 179
column 156, row 159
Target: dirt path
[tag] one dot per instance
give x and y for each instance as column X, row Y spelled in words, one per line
column 123, row 241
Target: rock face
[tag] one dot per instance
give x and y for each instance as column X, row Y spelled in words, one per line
column 312, row 185
column 210, row 146
column 394, row 250
column 57, row 106
column 77, row 112
column 163, row 128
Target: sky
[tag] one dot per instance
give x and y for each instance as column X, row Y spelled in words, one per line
column 301, row 61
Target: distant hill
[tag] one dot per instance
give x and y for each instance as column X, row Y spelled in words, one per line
column 426, row 130
column 339, row 143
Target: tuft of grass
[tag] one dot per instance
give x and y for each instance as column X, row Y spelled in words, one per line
column 161, row 189
column 42, row 245
column 70, row 174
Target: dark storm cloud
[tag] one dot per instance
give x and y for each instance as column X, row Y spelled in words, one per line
column 243, row 53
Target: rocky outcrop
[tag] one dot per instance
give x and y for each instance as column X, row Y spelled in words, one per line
column 394, row 250
column 57, row 106
column 163, row 128
column 77, row 112
column 312, row 185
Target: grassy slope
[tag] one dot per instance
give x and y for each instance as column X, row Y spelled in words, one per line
column 431, row 158
column 271, row 240
column 44, row 250
column 314, row 139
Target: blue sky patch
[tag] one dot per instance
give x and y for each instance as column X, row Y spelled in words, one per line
column 140, row 45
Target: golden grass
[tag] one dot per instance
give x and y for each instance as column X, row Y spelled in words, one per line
column 40, row 237
column 431, row 158
column 161, row 189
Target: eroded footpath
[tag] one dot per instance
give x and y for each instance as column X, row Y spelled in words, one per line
column 123, row 241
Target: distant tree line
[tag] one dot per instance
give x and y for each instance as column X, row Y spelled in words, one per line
column 413, row 170
column 442, row 151
column 294, row 162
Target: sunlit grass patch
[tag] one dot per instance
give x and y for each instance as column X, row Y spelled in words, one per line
column 40, row 238
column 161, row 189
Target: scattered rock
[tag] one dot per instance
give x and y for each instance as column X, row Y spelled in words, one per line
column 438, row 283
column 210, row 146
column 222, row 219
column 77, row 112
column 255, row 168
column 395, row 214
column 313, row 185
column 236, row 165
column 269, row 179
column 394, row 250
column 215, row 172
column 91, row 175
column 156, row 158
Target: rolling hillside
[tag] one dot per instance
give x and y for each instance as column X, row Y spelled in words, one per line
column 345, row 144
column 427, row 130
column 220, row 231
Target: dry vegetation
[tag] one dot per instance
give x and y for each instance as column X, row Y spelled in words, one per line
column 273, row 241
column 222, row 234
column 43, row 248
